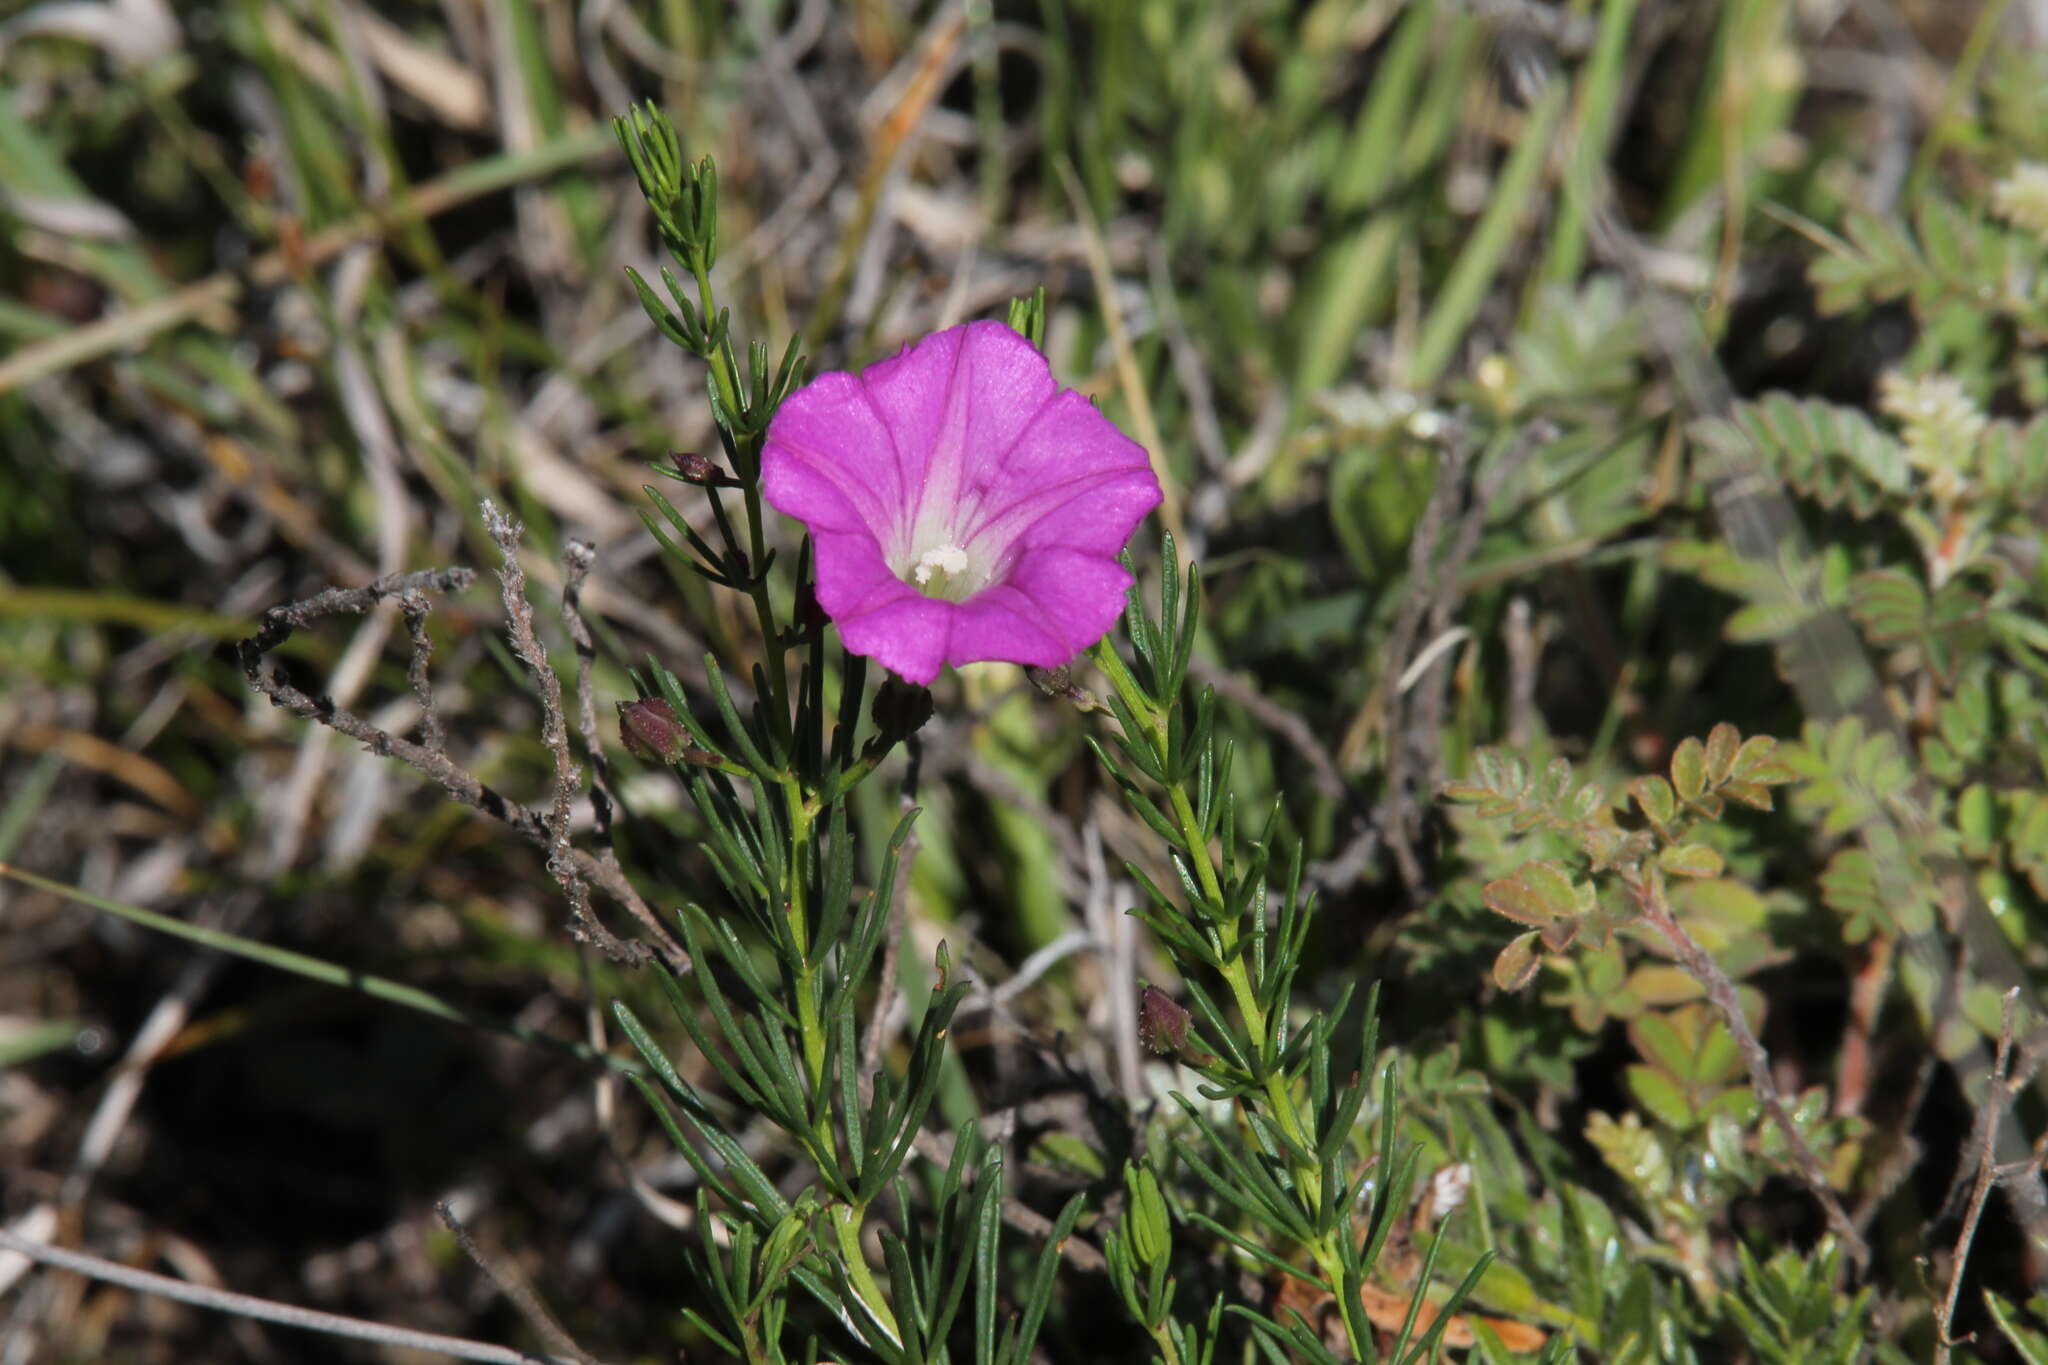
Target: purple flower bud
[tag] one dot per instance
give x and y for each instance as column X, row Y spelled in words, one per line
column 650, row 731
column 1162, row 1025
column 695, row 468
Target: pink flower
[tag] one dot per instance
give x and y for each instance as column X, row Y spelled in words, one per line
column 963, row 506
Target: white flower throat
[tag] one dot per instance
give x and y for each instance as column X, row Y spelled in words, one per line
column 946, row 572
column 944, row 561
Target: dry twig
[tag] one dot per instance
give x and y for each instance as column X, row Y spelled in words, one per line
column 1981, row 1147
column 554, row 734
column 428, row 757
column 1699, row 964
column 1434, row 589
column 266, row 1310
column 513, row 1284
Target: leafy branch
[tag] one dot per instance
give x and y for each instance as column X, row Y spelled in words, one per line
column 787, row 950
column 1288, row 1169
column 1559, row 910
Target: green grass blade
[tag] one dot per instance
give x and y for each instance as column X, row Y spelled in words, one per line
column 312, row 968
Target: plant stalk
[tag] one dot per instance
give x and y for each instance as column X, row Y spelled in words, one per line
column 1236, row 972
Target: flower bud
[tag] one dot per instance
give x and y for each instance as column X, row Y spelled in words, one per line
column 650, row 731
column 1146, row 1220
column 809, row 615
column 1057, row 684
column 694, row 467
column 1162, row 1025
column 900, row 709
column 1163, row 1028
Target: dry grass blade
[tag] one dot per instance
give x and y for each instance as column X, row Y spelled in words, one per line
column 138, row 326
column 267, row 1310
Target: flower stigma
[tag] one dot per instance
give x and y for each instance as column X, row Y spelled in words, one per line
column 941, row 572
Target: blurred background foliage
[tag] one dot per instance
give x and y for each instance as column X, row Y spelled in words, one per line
column 1453, row 323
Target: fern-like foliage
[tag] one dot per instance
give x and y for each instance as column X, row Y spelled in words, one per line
column 1949, row 256
column 1778, row 595
column 1852, row 776
column 1894, row 609
column 1835, row 455
column 2012, row 460
column 1951, row 478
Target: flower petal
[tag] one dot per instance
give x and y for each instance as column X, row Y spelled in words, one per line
column 852, row 575
column 796, row 486
column 1071, row 454
column 1003, row 623
column 1080, row 595
column 1094, row 513
column 962, row 446
column 830, row 427
column 907, row 636
column 957, row 402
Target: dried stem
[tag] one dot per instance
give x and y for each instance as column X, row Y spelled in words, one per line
column 415, row 606
column 1434, row 589
column 1700, row 965
column 1983, row 1138
column 578, row 559
column 554, row 729
column 1425, row 721
column 428, row 756
column 554, row 735
column 1857, row 1065
column 267, row 1310
column 513, row 1284
column 1443, row 500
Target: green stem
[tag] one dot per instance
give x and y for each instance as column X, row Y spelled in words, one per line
column 1308, row 1179
column 854, row 775
column 808, row 1022
column 1236, row 971
column 846, row 1226
column 1112, row 665
column 764, row 610
column 725, row 374
column 1962, row 78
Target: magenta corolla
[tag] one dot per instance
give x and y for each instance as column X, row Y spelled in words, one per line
column 963, row 506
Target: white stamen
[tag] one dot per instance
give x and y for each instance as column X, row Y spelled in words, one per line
column 946, row 559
